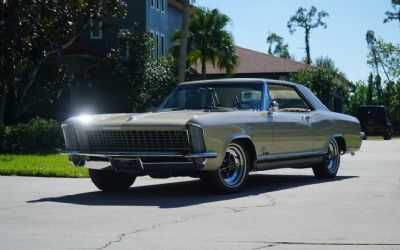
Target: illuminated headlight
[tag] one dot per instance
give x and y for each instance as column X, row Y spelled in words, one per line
column 70, row 137
column 196, row 138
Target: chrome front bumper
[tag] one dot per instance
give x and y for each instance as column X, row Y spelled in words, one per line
column 160, row 161
column 139, row 154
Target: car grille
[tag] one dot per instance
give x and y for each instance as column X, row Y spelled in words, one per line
column 139, row 141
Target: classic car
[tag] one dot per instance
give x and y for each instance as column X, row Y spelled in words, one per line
column 215, row 130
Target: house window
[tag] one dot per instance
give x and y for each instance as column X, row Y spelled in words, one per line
column 162, row 45
column 152, row 3
column 158, row 4
column 96, row 32
column 162, row 2
column 157, row 45
column 124, row 47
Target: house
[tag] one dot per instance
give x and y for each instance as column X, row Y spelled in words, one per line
column 93, row 83
column 254, row 64
column 160, row 18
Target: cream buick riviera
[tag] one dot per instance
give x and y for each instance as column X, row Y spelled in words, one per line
column 216, row 130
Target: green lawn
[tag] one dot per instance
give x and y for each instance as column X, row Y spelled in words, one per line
column 52, row 165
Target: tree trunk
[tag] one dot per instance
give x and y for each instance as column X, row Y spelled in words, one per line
column 184, row 41
column 308, row 54
column 3, row 96
column 203, row 68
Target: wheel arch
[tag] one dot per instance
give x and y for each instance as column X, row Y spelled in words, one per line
column 248, row 143
column 341, row 141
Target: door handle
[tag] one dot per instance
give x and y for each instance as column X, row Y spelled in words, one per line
column 306, row 117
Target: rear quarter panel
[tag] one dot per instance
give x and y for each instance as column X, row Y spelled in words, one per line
column 328, row 125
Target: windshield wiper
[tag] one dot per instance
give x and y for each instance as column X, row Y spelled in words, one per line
column 219, row 108
column 172, row 109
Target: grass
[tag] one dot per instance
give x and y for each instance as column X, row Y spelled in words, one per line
column 52, row 165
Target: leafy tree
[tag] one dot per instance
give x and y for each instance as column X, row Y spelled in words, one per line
column 308, row 20
column 383, row 56
column 145, row 79
column 277, row 47
column 323, row 82
column 370, row 90
column 379, row 91
column 208, row 41
column 395, row 14
column 31, row 31
column 357, row 98
column 326, row 63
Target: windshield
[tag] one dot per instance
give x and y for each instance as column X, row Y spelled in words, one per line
column 235, row 96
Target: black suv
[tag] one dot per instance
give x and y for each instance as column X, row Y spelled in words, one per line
column 374, row 121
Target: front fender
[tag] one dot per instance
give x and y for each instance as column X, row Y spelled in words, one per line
column 216, row 139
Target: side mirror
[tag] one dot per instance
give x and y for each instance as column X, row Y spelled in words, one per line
column 273, row 107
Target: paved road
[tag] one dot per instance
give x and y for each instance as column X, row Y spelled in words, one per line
column 283, row 209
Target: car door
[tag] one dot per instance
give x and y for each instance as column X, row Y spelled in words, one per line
column 291, row 121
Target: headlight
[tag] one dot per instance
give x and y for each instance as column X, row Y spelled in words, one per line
column 70, row 137
column 84, row 119
column 196, row 138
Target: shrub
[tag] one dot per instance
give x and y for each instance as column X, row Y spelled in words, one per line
column 36, row 136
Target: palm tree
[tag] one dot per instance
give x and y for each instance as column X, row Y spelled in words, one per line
column 208, row 41
column 183, row 39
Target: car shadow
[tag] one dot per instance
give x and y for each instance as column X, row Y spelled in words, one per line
column 187, row 193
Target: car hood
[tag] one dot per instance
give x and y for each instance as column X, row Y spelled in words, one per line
column 164, row 119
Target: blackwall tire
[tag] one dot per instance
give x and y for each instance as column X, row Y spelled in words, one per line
column 108, row 180
column 387, row 136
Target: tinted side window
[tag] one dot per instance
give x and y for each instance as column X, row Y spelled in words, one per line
column 288, row 99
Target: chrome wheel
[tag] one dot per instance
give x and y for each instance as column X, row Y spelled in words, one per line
column 333, row 157
column 329, row 167
column 234, row 166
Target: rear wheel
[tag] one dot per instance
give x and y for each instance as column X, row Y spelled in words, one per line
column 109, row 180
column 329, row 167
column 387, row 136
column 233, row 172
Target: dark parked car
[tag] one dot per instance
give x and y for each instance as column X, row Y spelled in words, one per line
column 374, row 121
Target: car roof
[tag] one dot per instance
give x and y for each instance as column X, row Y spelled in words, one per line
column 315, row 102
column 239, row 80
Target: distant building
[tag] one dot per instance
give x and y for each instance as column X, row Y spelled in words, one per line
column 257, row 64
column 160, row 18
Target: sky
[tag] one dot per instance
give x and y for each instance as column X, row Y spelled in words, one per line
column 343, row 40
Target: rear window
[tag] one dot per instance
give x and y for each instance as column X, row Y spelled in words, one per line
column 376, row 113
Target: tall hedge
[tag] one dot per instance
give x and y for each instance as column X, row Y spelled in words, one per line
column 36, row 136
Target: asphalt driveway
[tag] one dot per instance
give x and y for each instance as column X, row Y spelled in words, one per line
column 282, row 209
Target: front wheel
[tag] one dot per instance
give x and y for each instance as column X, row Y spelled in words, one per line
column 109, row 180
column 387, row 136
column 233, row 172
column 329, row 167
